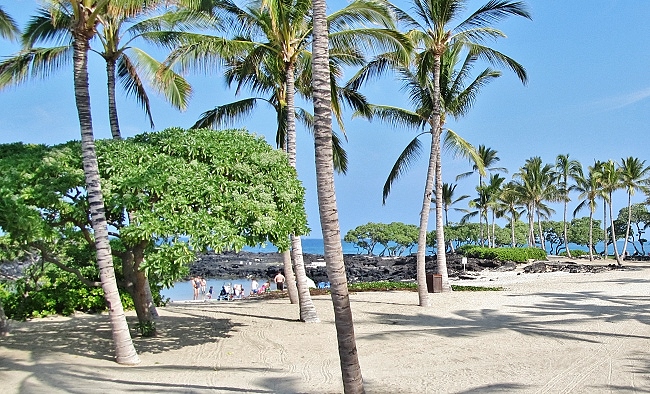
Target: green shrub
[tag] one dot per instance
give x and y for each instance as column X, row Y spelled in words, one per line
column 575, row 253
column 518, row 255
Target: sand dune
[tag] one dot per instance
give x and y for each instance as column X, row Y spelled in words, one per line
column 545, row 333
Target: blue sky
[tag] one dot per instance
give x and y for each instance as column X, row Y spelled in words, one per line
column 587, row 95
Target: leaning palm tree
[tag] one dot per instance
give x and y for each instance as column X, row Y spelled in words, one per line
column 432, row 33
column 509, row 203
column 566, row 168
column 634, row 177
column 123, row 22
column 349, row 360
column 610, row 181
column 86, row 15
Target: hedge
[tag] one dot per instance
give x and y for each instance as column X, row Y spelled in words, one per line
column 518, row 255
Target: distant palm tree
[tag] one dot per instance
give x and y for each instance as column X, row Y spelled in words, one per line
column 588, row 187
column 536, row 184
column 509, row 203
column 329, row 219
column 634, row 177
column 566, row 168
column 448, row 200
column 487, row 160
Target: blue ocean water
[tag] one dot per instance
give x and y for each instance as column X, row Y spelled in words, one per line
column 311, row 246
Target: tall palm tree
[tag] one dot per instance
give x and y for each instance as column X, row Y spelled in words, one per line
column 432, row 33
column 588, row 187
column 494, row 187
column 610, row 181
column 566, row 168
column 349, row 360
column 123, row 22
column 83, row 27
column 634, row 177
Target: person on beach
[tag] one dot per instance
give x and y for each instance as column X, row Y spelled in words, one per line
column 196, row 282
column 254, row 287
column 203, row 284
column 279, row 281
column 210, row 293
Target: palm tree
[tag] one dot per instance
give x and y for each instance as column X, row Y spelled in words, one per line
column 536, row 184
column 487, row 160
column 610, row 181
column 508, row 202
column 123, row 22
column 83, row 27
column 589, row 191
column 566, row 168
column 448, row 200
column 634, row 176
column 349, row 360
column 433, row 35
column 8, row 27
column 494, row 187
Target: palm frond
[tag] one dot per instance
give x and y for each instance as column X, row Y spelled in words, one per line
column 406, row 158
column 127, row 74
column 8, row 27
column 33, row 63
column 227, row 113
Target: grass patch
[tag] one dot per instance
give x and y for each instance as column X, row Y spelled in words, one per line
column 391, row 286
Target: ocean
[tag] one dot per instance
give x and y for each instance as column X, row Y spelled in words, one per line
column 312, row 246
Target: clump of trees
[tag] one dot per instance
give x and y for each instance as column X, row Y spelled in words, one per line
column 395, row 238
column 168, row 195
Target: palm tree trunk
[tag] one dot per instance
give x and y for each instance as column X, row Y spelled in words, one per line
column 350, row 367
column 591, row 235
column 423, row 293
column 512, row 231
column 566, row 229
column 629, row 223
column 124, row 350
column 542, row 242
column 531, row 225
column 605, row 229
column 307, row 308
column 112, row 105
column 611, row 219
column 441, row 254
column 290, row 278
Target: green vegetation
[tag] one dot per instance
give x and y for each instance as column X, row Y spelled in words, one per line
column 394, row 237
column 518, row 255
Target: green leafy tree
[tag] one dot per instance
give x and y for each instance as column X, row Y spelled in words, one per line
column 329, row 219
column 221, row 190
column 365, row 236
column 583, row 230
column 639, row 217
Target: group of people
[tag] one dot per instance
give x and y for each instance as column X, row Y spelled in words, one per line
column 235, row 291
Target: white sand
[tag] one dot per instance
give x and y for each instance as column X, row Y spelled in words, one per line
column 546, row 333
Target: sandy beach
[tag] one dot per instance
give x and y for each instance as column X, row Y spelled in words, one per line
column 544, row 333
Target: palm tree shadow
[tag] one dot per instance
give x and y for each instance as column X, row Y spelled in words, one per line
column 90, row 335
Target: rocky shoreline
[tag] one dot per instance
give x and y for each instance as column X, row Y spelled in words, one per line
column 362, row 268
